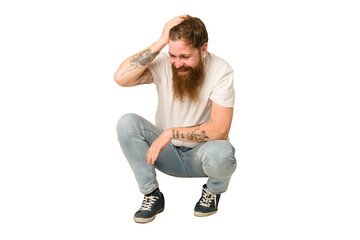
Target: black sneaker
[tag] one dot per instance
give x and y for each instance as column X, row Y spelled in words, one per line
column 208, row 203
column 150, row 206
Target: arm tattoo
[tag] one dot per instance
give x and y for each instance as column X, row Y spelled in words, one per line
column 145, row 78
column 140, row 60
column 193, row 136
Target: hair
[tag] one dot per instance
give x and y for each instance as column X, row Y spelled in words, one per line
column 192, row 30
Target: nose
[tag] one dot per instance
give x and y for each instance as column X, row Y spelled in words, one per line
column 178, row 64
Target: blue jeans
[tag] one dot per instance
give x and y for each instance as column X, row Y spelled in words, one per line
column 213, row 159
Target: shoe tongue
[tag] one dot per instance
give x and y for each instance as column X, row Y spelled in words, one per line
column 156, row 193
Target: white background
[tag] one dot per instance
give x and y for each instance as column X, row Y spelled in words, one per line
column 296, row 124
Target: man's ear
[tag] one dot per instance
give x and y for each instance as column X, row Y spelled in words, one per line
column 204, row 49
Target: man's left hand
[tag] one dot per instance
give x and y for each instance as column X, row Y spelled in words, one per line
column 157, row 146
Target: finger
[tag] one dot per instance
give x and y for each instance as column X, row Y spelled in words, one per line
column 182, row 17
column 177, row 18
column 171, row 25
column 155, row 156
column 175, row 21
column 148, row 155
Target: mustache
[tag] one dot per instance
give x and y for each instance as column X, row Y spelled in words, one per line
column 183, row 68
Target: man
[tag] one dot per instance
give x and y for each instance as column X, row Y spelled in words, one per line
column 193, row 119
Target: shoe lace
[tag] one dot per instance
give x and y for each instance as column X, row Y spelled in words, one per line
column 207, row 198
column 148, row 202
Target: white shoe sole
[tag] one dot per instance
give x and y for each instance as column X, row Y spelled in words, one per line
column 200, row 214
column 147, row 220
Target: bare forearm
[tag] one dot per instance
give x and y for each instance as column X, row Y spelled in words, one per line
column 130, row 72
column 202, row 133
column 134, row 66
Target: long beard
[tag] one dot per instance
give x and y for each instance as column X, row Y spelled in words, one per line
column 188, row 85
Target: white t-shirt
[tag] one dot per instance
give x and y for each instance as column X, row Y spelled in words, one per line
column 217, row 87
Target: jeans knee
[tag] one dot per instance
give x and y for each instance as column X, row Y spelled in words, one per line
column 126, row 124
column 219, row 159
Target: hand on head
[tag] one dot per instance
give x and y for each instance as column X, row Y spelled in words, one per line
column 169, row 25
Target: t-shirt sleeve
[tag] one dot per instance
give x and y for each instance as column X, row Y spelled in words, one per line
column 158, row 67
column 223, row 93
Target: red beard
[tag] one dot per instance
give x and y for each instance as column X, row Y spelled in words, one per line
column 187, row 85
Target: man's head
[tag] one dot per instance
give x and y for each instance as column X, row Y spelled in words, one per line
column 187, row 50
column 192, row 30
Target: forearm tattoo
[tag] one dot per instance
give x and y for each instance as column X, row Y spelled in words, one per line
column 141, row 60
column 145, row 78
column 193, row 136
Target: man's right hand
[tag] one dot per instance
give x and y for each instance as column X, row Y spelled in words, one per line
column 134, row 70
column 164, row 39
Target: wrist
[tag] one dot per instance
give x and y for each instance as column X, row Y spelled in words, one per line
column 170, row 133
column 160, row 44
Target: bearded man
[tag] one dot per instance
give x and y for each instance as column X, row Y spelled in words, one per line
column 193, row 118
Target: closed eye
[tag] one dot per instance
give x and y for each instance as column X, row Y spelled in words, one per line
column 181, row 56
